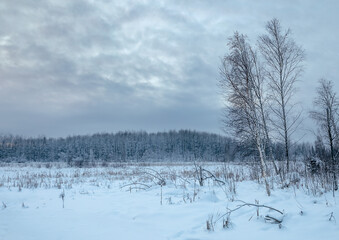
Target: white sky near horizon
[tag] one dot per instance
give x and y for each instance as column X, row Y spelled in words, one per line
column 80, row 67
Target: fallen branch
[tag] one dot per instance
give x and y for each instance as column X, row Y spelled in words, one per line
column 156, row 175
column 213, row 176
column 228, row 213
column 135, row 185
column 260, row 206
column 272, row 219
column 202, row 174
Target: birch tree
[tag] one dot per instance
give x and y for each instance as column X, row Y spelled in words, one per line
column 283, row 66
column 326, row 114
column 241, row 82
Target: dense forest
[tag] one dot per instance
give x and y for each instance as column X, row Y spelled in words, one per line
column 183, row 145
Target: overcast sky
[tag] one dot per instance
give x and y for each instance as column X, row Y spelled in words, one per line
column 77, row 67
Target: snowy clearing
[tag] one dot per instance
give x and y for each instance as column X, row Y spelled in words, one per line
column 124, row 202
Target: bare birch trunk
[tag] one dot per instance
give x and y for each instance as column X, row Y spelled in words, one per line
column 263, row 165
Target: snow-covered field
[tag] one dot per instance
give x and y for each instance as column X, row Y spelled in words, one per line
column 101, row 203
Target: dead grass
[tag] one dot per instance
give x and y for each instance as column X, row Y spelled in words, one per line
column 60, row 175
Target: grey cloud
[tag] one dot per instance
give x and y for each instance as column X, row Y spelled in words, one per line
column 71, row 67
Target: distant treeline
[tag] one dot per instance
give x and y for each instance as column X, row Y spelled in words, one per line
column 183, row 145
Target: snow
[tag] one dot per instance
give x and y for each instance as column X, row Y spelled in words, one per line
column 96, row 207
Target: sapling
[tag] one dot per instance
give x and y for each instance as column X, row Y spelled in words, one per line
column 332, row 218
column 226, row 223
column 23, row 205
column 169, row 200
column 210, row 223
column 208, row 226
column 62, row 196
column 257, row 202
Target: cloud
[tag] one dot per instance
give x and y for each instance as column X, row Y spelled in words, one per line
column 72, row 67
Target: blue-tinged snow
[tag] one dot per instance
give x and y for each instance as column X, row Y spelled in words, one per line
column 96, row 207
